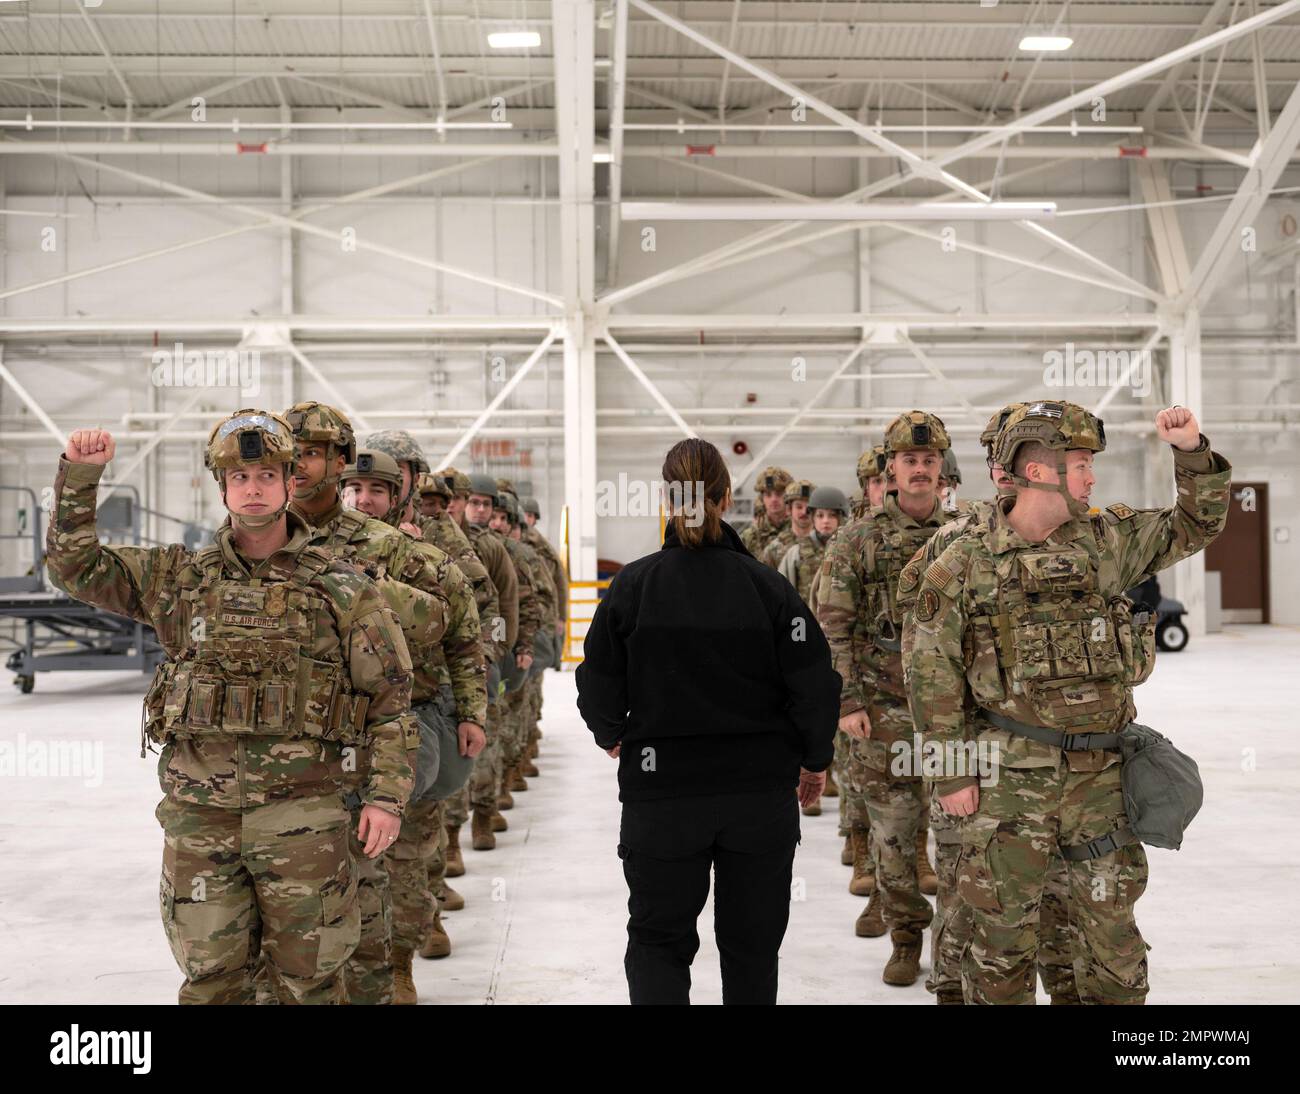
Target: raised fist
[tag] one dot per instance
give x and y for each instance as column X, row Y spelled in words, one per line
column 90, row 446
column 1178, row 426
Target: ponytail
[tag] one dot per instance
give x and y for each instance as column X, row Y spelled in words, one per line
column 697, row 481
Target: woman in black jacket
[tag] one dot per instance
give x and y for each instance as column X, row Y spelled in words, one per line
column 709, row 679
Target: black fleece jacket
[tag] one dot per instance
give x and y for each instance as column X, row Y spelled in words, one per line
column 712, row 673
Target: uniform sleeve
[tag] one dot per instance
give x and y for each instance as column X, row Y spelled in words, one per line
column 123, row 580
column 1154, row 539
column 530, row 610
column 601, row 678
column 936, row 674
column 502, row 571
column 811, row 681
column 839, row 591
column 789, row 566
column 463, row 649
column 488, row 604
column 380, row 668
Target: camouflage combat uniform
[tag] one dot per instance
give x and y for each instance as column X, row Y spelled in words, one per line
column 1041, row 633
column 857, row 612
column 801, row 561
column 762, row 530
column 256, row 858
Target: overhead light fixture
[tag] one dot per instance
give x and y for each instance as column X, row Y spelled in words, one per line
column 602, row 157
column 514, row 39
column 822, row 210
column 1045, row 43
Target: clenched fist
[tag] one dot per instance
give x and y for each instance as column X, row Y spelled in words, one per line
column 1178, row 426
column 90, row 446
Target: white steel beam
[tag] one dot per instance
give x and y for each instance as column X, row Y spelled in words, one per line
column 336, row 396
column 832, row 210
column 185, row 102
column 127, row 95
column 1135, row 362
column 781, row 433
column 1185, row 390
column 312, row 229
column 649, row 385
column 1166, row 234
column 1225, row 244
column 123, row 473
column 500, row 397
column 31, row 404
column 504, row 93
column 617, row 100
column 1168, row 86
column 439, row 76
column 1260, row 81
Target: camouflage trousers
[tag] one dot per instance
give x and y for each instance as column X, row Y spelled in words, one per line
column 370, row 968
column 273, row 882
column 1007, row 848
column 897, row 807
column 535, row 712
column 952, row 920
column 408, row 873
column 485, row 779
column 516, row 708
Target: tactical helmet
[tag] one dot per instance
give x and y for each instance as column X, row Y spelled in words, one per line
column 916, row 429
column 460, row 480
column 1057, row 425
column 871, row 464
column 312, row 421
column 401, row 446
column 437, row 483
column 509, row 505
column 797, row 490
column 505, row 486
column 374, row 464
column 995, row 425
column 531, row 506
column 950, row 473
column 485, row 485
column 829, row 497
column 249, row 438
column 773, row 478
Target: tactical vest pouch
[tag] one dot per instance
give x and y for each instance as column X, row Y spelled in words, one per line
column 1136, row 634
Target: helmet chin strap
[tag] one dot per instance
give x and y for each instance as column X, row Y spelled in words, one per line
column 329, row 482
column 256, row 522
column 1076, row 507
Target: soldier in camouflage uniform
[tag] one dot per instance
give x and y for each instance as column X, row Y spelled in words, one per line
column 949, row 480
column 485, row 788
column 873, row 477
column 827, row 509
column 560, row 578
column 420, row 890
column 798, row 523
column 492, row 553
column 769, row 509
column 952, row 925
column 1022, row 635
column 256, row 859
column 857, row 611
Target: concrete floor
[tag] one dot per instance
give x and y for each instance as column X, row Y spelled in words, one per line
column 545, row 913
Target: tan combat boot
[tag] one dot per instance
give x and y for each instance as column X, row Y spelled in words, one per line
column 436, row 943
column 846, row 852
column 925, row 875
column 814, row 810
column 863, row 882
column 527, row 767
column 481, row 831
column 449, row 900
column 832, row 790
column 454, row 859
column 905, row 962
column 403, row 980
column 871, row 923
column 504, row 800
column 516, row 779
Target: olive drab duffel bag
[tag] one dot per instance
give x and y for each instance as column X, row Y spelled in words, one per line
column 1162, row 786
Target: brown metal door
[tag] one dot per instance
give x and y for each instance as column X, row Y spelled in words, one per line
column 1240, row 555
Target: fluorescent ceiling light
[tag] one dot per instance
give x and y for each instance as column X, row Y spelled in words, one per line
column 602, row 157
column 514, row 39
column 1045, row 43
column 823, row 210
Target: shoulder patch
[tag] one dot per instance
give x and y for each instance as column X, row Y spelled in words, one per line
column 1120, row 511
column 938, row 574
column 927, row 605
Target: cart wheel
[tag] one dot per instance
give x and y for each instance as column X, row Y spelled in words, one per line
column 1171, row 636
column 26, row 683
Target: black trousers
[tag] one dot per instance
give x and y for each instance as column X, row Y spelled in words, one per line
column 667, row 847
